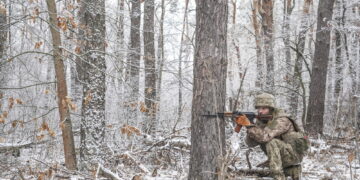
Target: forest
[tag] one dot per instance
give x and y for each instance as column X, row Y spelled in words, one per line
column 149, row 89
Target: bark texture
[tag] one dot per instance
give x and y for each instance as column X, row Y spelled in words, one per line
column 132, row 92
column 161, row 60
column 258, row 41
column 209, row 91
column 3, row 40
column 315, row 115
column 63, row 101
column 92, row 39
column 149, row 60
column 266, row 13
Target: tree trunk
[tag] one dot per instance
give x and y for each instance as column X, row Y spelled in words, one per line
column 259, row 57
column 3, row 40
column 315, row 116
column 338, row 65
column 266, row 13
column 149, row 60
column 209, row 90
column 133, row 74
column 161, row 59
column 63, row 102
column 92, row 130
column 288, row 8
column 118, row 81
column 180, row 78
column 300, row 57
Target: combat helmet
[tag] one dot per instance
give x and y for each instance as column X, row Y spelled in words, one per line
column 265, row 99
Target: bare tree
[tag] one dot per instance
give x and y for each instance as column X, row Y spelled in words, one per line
column 267, row 22
column 92, row 130
column 210, row 68
column 149, row 60
column 133, row 72
column 63, row 101
column 161, row 58
column 297, row 82
column 315, row 116
column 180, row 73
column 3, row 41
column 258, row 42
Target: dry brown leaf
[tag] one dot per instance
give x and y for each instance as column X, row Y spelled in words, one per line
column 130, row 130
column 14, row 123
column 40, row 137
column 44, row 127
column 62, row 23
column 149, row 90
column 47, row 91
column 62, row 125
column 143, row 107
column 38, row 45
column 5, row 114
column 18, row 101
column 36, row 11
column 137, row 177
column 77, row 50
column 41, row 176
column 70, row 104
column 2, row 120
column 2, row 140
column 88, row 98
column 351, row 156
column 51, row 133
column 11, row 102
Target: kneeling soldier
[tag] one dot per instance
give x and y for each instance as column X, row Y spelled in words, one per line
column 280, row 138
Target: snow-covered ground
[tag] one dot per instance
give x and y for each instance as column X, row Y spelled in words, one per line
column 168, row 157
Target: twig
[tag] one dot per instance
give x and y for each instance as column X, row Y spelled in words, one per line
column 24, row 87
column 247, row 158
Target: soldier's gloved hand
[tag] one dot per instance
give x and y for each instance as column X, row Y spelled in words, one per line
column 242, row 121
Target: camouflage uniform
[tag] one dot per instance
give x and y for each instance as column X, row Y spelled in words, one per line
column 280, row 139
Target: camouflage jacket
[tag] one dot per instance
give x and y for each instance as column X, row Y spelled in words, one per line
column 279, row 127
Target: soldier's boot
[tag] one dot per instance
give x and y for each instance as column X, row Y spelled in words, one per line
column 279, row 176
column 294, row 172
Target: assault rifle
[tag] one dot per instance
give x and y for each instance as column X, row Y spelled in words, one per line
column 241, row 118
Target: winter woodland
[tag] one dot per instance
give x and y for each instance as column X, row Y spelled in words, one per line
column 116, row 89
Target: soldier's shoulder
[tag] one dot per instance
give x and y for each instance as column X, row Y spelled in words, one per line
column 280, row 113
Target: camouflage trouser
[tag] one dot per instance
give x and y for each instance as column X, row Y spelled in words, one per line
column 282, row 158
